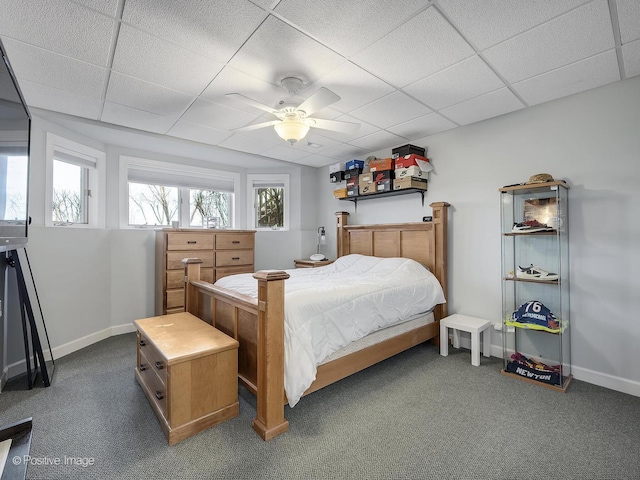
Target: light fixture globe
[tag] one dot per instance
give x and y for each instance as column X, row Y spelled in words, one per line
column 291, row 130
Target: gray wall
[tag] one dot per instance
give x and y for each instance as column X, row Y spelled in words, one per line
column 591, row 140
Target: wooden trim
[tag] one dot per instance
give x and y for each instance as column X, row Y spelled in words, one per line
column 534, row 186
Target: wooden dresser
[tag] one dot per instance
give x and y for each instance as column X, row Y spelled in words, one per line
column 189, row 372
column 223, row 252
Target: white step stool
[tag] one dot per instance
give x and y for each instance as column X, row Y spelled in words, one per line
column 475, row 326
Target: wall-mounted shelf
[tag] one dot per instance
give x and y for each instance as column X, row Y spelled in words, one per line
column 392, row 193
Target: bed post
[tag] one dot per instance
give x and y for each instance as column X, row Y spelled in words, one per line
column 342, row 236
column 191, row 273
column 270, row 421
column 440, row 221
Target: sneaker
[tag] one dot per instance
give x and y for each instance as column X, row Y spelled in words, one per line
column 535, row 273
column 531, row 226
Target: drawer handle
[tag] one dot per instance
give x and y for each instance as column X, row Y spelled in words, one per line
column 159, row 395
column 142, row 368
column 235, row 241
column 192, row 242
column 142, row 343
column 235, row 258
column 159, row 365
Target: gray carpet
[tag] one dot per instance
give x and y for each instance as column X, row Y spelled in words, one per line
column 417, row 415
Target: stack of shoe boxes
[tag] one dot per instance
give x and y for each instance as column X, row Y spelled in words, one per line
column 336, row 176
column 352, row 176
column 409, row 167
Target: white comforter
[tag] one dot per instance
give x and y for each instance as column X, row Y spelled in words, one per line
column 328, row 307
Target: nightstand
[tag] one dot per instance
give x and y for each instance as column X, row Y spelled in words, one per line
column 311, row 263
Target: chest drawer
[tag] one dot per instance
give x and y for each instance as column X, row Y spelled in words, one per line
column 229, row 258
column 189, row 241
column 174, row 259
column 157, row 391
column 234, row 241
column 152, row 360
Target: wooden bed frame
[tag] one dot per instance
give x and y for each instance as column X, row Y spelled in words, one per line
column 258, row 324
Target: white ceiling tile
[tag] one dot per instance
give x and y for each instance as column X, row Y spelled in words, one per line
column 49, row 98
column 249, row 144
column 422, row 126
column 230, row 80
column 485, row 106
column 631, row 56
column 316, row 161
column 579, row 34
column 348, row 27
column 460, row 82
column 146, row 96
column 148, row 58
column 629, row 20
column 391, row 110
column 424, row 45
column 46, row 24
column 64, row 73
column 285, row 152
column 577, row 77
column 354, row 86
column 132, row 118
column 213, row 29
column 108, row 7
column 198, row 133
column 377, row 141
column 276, row 51
column 344, row 152
column 489, row 22
column 213, row 115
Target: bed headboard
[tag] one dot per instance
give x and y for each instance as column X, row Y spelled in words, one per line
column 425, row 242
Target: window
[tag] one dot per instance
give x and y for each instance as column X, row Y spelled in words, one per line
column 159, row 194
column 75, row 183
column 269, row 201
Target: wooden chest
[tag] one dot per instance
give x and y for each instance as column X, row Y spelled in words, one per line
column 188, row 371
column 223, row 252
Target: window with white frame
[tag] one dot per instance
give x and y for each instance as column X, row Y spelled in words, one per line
column 268, row 201
column 161, row 194
column 75, row 183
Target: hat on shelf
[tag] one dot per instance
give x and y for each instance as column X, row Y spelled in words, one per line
column 540, row 178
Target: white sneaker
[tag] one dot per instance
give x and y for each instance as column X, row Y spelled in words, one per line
column 535, row 273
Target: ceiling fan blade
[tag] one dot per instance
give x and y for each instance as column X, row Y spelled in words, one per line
column 256, row 126
column 341, row 127
column 253, row 103
column 322, row 98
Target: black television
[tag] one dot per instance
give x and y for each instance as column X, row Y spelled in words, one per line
column 15, row 129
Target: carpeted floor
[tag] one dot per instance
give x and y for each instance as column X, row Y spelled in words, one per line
column 417, row 415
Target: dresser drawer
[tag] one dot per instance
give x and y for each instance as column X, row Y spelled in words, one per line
column 152, row 360
column 175, row 278
column 174, row 259
column 157, row 391
column 229, row 258
column 234, row 241
column 175, row 298
column 189, row 241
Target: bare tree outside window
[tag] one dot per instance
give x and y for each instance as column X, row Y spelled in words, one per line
column 67, row 206
column 209, row 203
column 270, row 207
column 152, row 204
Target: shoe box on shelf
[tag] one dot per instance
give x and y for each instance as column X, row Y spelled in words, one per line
column 408, row 150
column 410, row 182
column 377, row 164
column 352, row 177
column 376, row 181
column 336, row 173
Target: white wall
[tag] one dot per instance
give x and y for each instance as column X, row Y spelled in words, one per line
column 591, row 140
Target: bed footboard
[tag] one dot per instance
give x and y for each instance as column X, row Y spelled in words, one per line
column 258, row 325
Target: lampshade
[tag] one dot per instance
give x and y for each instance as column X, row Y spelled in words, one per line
column 291, row 130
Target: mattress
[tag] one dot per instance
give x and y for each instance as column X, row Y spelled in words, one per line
column 330, row 307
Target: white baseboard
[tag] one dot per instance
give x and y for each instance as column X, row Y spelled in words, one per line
column 20, row 367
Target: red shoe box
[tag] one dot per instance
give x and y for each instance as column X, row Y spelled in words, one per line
column 409, row 161
column 378, row 164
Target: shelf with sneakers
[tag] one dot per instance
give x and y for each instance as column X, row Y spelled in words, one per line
column 535, row 282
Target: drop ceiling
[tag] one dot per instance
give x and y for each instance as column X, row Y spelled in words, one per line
column 404, row 69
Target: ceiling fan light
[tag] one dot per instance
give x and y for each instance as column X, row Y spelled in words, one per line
column 291, row 131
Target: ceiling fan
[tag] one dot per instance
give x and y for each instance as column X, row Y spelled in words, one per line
column 294, row 120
